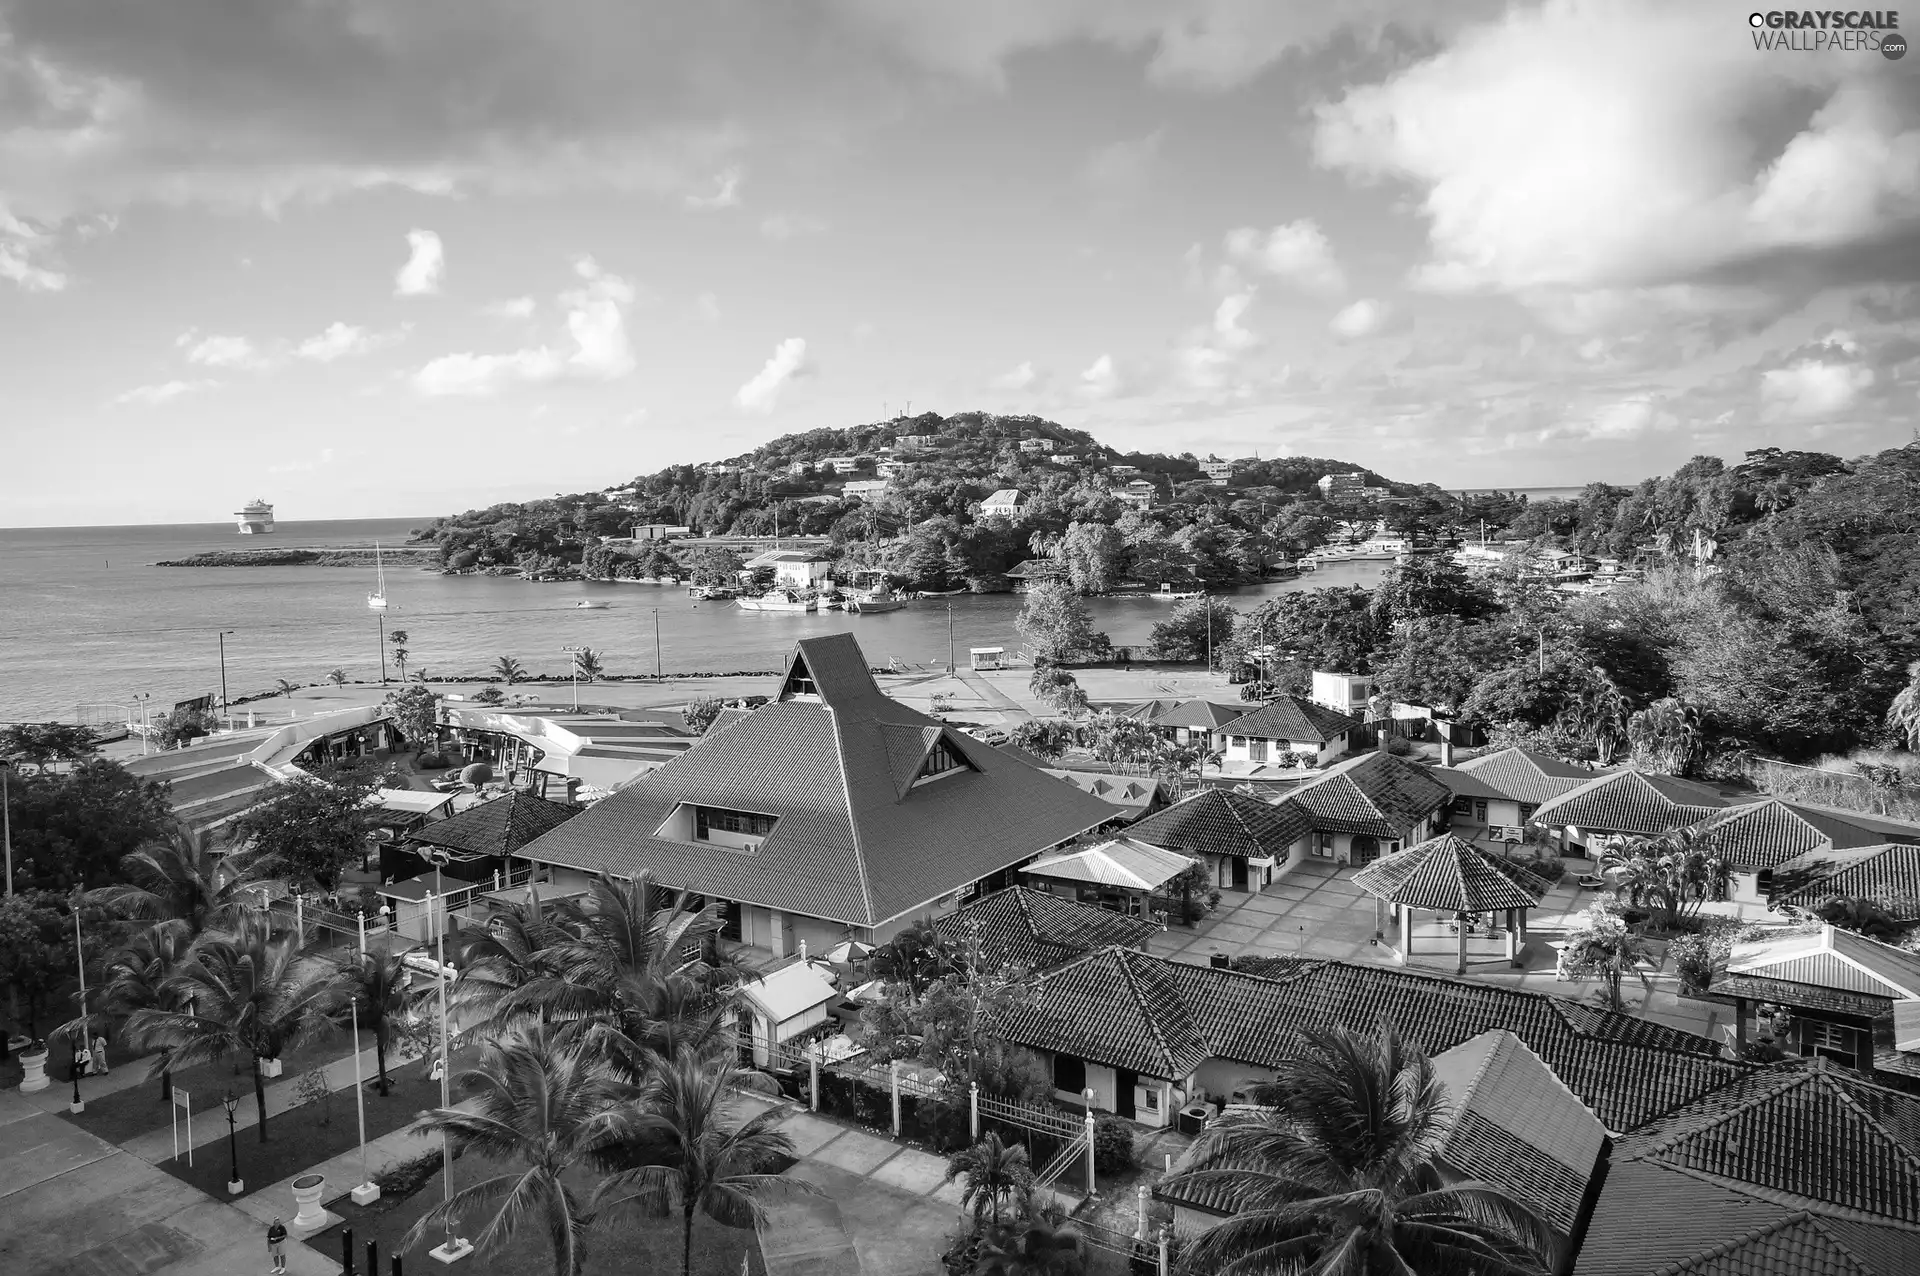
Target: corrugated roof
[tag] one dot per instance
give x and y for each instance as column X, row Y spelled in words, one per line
column 1222, row 822
column 1121, row 862
column 1444, row 874
column 500, row 827
column 1291, row 718
column 848, row 844
column 1890, row 875
column 1375, row 793
column 1525, row 776
column 1831, row 958
column 1631, row 802
column 1021, row 926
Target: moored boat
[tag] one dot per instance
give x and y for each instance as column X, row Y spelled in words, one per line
column 778, row 600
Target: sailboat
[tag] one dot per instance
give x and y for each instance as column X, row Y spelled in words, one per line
column 377, row 600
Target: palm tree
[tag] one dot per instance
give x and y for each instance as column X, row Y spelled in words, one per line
column 508, row 670
column 136, row 978
column 692, row 1158
column 181, row 877
column 992, row 1173
column 1666, row 736
column 1673, row 873
column 1601, row 943
column 509, row 965
column 382, row 985
column 338, row 677
column 245, row 990
column 542, row 1109
column 1342, row 1175
column 1034, row 1247
column 586, row 663
column 398, row 640
column 282, row 687
column 1903, row 715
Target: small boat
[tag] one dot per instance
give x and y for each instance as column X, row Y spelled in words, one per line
column 779, row 600
column 588, row 604
column 377, row 600
column 941, row 593
column 1168, row 594
column 875, row 601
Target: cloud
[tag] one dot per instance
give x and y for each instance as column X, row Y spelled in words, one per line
column 510, row 308
column 1021, row 377
column 788, row 363
column 343, row 340
column 726, row 193
column 596, row 328
column 219, row 352
column 426, row 262
column 1359, row 319
column 1100, row 380
column 1813, row 389
column 165, row 391
column 781, row 227
column 1297, row 253
column 1123, row 167
column 1208, row 354
column 1560, row 149
column 24, row 253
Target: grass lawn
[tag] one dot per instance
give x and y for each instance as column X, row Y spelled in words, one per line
column 305, row 1136
column 620, row 1242
column 128, row 1113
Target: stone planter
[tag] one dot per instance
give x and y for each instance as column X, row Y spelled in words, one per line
column 34, row 1063
column 269, row 1068
column 307, row 1190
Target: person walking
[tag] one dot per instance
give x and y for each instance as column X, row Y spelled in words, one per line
column 100, row 1068
column 277, row 1245
column 82, row 1058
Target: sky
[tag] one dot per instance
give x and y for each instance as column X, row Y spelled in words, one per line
column 373, row 258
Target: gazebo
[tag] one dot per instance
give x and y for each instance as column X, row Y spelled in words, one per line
column 1446, row 875
column 1120, row 875
column 483, row 839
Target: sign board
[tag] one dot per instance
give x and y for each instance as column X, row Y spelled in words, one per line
column 199, row 704
column 1508, row 833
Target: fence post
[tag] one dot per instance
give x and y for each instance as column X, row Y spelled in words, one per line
column 973, row 1102
column 1140, row 1208
column 893, row 1070
column 813, row 1076
column 1092, row 1191
column 1166, row 1269
column 300, row 915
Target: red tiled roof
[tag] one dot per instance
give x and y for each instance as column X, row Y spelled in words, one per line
column 1890, row 875
column 1375, row 793
column 500, row 827
column 850, row 844
column 1525, row 776
column 1020, row 926
column 1444, row 874
column 1631, row 802
column 1798, row 1245
column 1768, row 833
column 1291, row 718
column 1200, row 714
column 1222, row 822
column 1114, row 1007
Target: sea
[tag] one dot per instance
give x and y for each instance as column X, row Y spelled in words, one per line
column 88, row 623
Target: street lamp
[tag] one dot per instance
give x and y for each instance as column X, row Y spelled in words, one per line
column 143, row 697
column 235, row 1185
column 223, row 670
column 575, row 653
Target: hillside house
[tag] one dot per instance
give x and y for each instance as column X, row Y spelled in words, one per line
column 864, row 489
column 1496, row 794
column 1004, row 503
column 1347, row 693
column 1284, row 733
column 1634, row 803
column 1139, row 493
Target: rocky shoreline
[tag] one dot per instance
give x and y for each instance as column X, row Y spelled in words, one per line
column 304, row 558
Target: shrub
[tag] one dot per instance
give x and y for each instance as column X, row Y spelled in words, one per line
column 314, row 1088
column 1695, row 957
column 431, row 762
column 476, row 774
column 1399, row 746
column 403, row 1178
column 1112, row 1144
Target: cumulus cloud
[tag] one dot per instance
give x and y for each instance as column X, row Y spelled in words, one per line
column 344, row 340
column 219, row 352
column 788, row 363
column 726, row 192
column 1296, row 253
column 598, row 347
column 509, row 308
column 780, row 227
column 1559, row 148
column 1100, row 380
column 25, row 252
column 1359, row 319
column 163, row 392
column 1813, row 389
column 426, row 262
column 1019, row 377
column 1208, row 354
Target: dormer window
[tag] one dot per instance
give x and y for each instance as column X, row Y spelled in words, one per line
column 717, row 825
column 942, row 760
column 800, row 684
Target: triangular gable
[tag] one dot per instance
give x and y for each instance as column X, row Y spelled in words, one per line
column 799, row 680
column 1834, row 959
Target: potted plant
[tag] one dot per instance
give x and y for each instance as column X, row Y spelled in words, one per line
column 307, row 1190
column 33, row 1061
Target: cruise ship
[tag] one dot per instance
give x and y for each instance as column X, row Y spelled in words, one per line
column 256, row 518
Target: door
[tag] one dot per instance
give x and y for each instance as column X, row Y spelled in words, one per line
column 1239, row 872
column 1365, row 849
column 1123, row 1085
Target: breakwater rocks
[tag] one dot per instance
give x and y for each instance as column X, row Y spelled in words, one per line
column 303, row 558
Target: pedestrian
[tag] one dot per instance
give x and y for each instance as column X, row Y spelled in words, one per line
column 100, row 1067
column 277, row 1245
column 81, row 1057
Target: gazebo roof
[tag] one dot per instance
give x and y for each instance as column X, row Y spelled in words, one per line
column 1122, row 862
column 1444, row 874
column 499, row 827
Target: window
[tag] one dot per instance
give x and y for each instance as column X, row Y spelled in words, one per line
column 1323, row 845
column 708, row 820
column 1463, row 806
column 1069, row 1073
column 1480, row 812
column 941, row 759
column 1152, row 1095
column 1526, row 811
column 1816, row 1035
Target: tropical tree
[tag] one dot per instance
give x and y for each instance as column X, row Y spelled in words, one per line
column 34, row 957
column 586, row 665
column 691, row 1156
column 416, row 711
column 700, row 713
column 338, row 677
column 1903, row 715
column 247, row 991
column 541, row 1109
column 1341, row 1176
column 136, row 978
column 508, row 670
column 1056, row 622
column 397, row 639
column 1672, row 874
column 1601, row 943
column 381, row 986
column 520, row 946
column 305, row 829
column 916, row 956
column 1666, row 736
column 489, row 695
column 1042, row 737
column 44, row 743
column 1032, row 1247
column 992, row 1174
column 1869, row 917
column 181, row 876
column 284, row 688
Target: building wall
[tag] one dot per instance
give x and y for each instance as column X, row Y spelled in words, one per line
column 1240, row 749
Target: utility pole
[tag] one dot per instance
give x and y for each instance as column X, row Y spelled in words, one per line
column 223, row 674
column 383, row 647
column 6, row 821
column 575, row 653
column 1543, row 649
column 950, row 664
column 656, row 644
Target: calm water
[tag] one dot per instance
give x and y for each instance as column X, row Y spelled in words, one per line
column 86, row 618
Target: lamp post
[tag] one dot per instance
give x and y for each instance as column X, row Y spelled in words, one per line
column 656, row 644
column 6, row 821
column 223, row 671
column 143, row 697
column 230, row 1101
column 575, row 653
column 454, row 1248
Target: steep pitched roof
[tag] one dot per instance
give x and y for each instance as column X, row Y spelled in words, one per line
column 1121, row 861
column 1806, row 1133
column 1021, row 926
column 1199, row 715
column 1525, row 776
column 1375, row 793
column 1291, row 718
column 500, row 827
column 1518, row 1126
column 1445, row 874
column 1222, row 822
column 1829, row 958
column 849, row 843
column 1624, row 1069
column 1768, row 833
column 1889, row 874
column 1632, row 802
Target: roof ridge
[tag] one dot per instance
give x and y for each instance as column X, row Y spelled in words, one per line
column 1723, row 1248
column 1127, row 972
column 853, row 812
column 1767, row 1087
